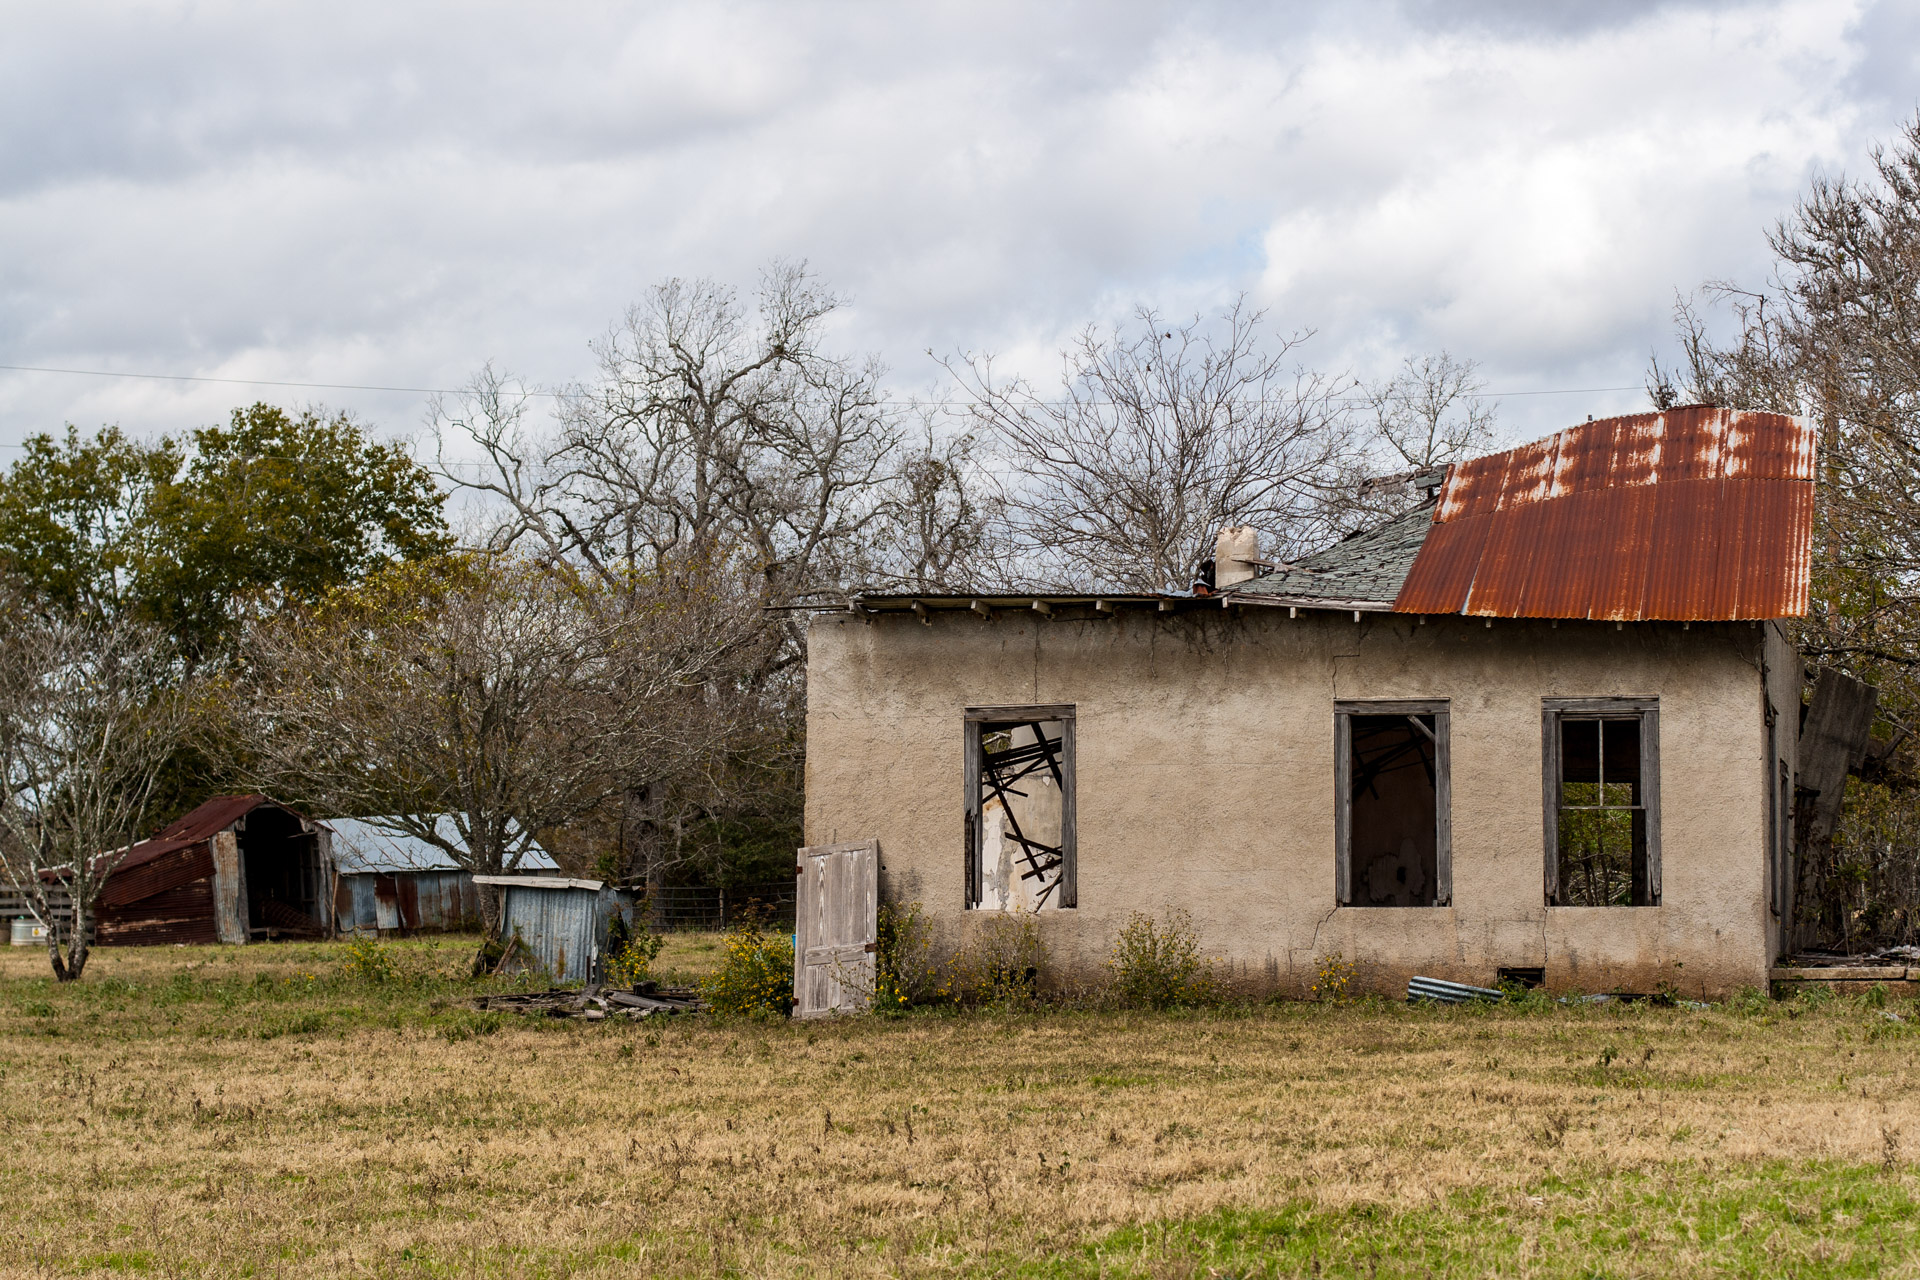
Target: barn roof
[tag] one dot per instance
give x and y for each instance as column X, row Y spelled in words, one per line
column 215, row 816
column 1694, row 514
column 361, row 846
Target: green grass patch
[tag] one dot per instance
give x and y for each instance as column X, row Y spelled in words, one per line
column 1777, row 1219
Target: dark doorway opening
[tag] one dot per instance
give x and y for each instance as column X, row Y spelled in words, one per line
column 286, row 877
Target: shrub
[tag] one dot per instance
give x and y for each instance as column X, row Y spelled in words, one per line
column 1001, row 964
column 367, row 961
column 1155, row 965
column 904, row 969
column 755, row 974
column 630, row 953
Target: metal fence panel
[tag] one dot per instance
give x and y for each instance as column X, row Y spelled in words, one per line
column 689, row 907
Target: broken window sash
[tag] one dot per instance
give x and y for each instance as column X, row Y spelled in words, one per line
column 1602, row 783
column 1393, row 793
column 1020, row 808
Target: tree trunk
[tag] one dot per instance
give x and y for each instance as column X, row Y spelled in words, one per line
column 58, row 961
column 77, row 947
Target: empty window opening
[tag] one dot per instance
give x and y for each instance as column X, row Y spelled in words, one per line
column 1603, row 815
column 1020, row 819
column 1393, row 784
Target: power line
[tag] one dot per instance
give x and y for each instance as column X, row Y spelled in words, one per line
column 566, row 395
column 245, row 382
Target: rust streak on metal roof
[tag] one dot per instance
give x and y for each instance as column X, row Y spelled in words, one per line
column 1693, row 514
column 214, row 816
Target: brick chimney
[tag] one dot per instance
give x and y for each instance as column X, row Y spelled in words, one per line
column 1234, row 553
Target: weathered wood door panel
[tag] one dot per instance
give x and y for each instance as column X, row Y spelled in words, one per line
column 836, row 928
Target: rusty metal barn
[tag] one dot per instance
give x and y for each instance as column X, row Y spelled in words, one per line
column 237, row 868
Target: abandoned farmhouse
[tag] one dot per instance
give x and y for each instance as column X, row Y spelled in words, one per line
column 1543, row 725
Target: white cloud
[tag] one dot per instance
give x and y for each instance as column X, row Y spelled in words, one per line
column 391, row 194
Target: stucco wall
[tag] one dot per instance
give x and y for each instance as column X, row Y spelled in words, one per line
column 1206, row 780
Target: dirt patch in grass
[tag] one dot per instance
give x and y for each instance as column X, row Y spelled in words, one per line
column 251, row 1111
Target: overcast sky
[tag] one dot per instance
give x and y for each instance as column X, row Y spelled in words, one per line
column 391, row 194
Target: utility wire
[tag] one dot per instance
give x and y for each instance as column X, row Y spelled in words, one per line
column 568, row 395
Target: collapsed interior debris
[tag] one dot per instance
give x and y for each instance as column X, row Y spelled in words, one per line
column 1019, row 805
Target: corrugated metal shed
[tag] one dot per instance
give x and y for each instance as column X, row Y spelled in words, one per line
column 392, row 883
column 1693, row 514
column 236, row 868
column 560, row 923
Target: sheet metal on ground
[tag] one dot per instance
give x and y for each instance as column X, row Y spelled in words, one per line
column 1694, row 514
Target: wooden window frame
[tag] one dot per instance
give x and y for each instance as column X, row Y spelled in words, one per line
column 1343, row 713
column 974, row 872
column 1647, row 711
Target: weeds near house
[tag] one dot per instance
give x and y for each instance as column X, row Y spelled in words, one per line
column 1002, row 962
column 1333, row 983
column 755, row 973
column 904, row 972
column 631, row 952
column 1157, row 965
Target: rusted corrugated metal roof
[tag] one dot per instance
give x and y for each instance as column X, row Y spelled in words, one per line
column 1693, row 514
column 214, row 816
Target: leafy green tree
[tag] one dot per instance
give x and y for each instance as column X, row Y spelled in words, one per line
column 192, row 534
column 277, row 508
column 73, row 518
column 272, row 507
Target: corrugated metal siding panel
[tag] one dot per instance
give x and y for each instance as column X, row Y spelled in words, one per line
column 445, row 899
column 423, row 901
column 1693, row 514
column 563, row 929
column 157, row 875
column 183, row 913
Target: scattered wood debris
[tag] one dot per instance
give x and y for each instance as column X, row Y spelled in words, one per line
column 596, row 1002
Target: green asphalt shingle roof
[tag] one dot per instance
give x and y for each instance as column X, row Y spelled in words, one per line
column 1365, row 568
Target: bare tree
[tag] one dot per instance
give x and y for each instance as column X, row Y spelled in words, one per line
column 719, row 437
column 1156, row 437
column 1432, row 412
column 709, row 428
column 89, row 716
column 507, row 693
column 1835, row 337
column 941, row 520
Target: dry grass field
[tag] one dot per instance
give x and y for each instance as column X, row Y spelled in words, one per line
column 258, row 1112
